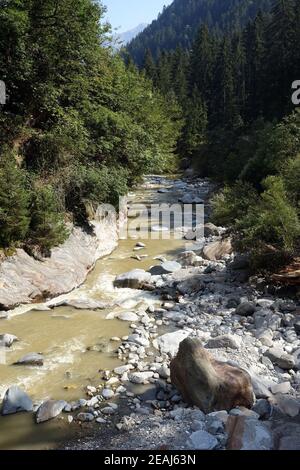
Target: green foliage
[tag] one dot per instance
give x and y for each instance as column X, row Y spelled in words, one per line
column 14, row 201
column 273, row 221
column 81, row 123
column 47, row 228
column 231, row 203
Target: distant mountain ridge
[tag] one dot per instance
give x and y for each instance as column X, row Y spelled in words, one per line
column 178, row 23
column 128, row 36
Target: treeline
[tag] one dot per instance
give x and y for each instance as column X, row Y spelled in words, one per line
column 78, row 125
column 241, row 126
column 178, row 24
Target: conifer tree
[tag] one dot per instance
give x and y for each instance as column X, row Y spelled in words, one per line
column 14, row 202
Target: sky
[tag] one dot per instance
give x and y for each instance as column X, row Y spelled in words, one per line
column 127, row 14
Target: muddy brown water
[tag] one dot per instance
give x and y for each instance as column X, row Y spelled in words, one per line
column 65, row 336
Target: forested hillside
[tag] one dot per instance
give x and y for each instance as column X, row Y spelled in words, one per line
column 241, row 126
column 77, row 127
column 178, row 24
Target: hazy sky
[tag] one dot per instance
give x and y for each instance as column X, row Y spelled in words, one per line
column 127, row 14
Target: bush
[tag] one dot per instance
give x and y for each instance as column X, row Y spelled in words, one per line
column 231, row 204
column 273, row 221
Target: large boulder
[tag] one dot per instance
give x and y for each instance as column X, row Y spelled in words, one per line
column 135, row 279
column 15, row 401
column 189, row 258
column 49, row 410
column 169, row 343
column 209, row 384
column 217, row 250
column 248, row 434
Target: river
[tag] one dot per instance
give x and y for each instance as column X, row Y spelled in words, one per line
column 77, row 344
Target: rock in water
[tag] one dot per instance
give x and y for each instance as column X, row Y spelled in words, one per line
column 7, row 340
column 49, row 410
column 134, row 279
column 217, row 250
column 15, row 401
column 31, row 359
column 209, row 384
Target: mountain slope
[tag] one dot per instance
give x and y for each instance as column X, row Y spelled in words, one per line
column 178, row 24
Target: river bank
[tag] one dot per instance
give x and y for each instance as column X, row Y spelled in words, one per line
column 205, row 294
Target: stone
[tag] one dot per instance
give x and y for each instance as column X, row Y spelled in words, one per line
column 217, row 250
column 207, row 383
column 169, row 343
column 241, row 411
column 85, row 417
column 107, row 393
column 280, row 358
column 171, row 266
column 283, row 388
column 189, row 258
column 49, row 410
column 128, row 316
column 260, row 386
column 108, row 410
column 233, row 302
column 82, row 304
column 211, row 230
column 225, row 341
column 135, row 279
column 140, row 377
column 191, row 199
column 31, row 359
column 122, row 369
column 287, row 436
column 202, row 440
column 288, row 405
column 15, row 401
column 263, row 408
column 220, row 415
column 6, row 340
column 138, row 339
column 246, row 309
column 164, row 371
column 248, row 434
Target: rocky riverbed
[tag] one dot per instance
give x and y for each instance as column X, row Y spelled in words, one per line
column 230, row 346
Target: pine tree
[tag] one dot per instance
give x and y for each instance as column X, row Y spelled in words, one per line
column 47, row 228
column 196, row 124
column 224, row 99
column 14, row 202
column 202, row 62
column 150, row 66
column 279, row 58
